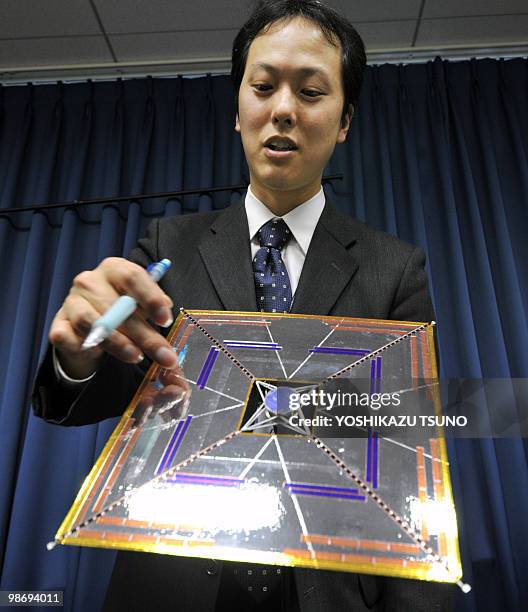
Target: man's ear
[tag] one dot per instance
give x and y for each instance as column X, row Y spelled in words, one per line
column 237, row 124
column 345, row 124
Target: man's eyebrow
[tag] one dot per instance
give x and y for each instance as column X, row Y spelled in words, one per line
column 306, row 71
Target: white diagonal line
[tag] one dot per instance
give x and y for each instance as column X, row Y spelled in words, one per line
column 239, row 405
column 193, row 382
column 253, row 418
column 277, row 352
column 413, row 450
column 260, row 384
column 255, row 459
column 295, row 501
column 267, row 423
column 320, row 343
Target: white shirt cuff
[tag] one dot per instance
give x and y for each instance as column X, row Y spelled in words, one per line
column 63, row 377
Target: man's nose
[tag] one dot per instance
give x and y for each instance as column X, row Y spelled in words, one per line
column 284, row 112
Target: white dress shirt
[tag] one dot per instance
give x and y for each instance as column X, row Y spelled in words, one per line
column 301, row 221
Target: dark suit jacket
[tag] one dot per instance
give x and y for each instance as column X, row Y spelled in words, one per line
column 350, row 270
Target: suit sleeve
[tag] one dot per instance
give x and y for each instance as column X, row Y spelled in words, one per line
column 412, row 301
column 112, row 388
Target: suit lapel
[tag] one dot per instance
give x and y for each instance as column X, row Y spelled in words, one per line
column 329, row 265
column 327, row 270
column 226, row 254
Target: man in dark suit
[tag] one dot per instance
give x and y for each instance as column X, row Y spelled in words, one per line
column 297, row 69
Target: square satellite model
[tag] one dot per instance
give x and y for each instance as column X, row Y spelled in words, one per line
column 252, row 463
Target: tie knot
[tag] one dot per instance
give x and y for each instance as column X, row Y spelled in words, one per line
column 275, row 234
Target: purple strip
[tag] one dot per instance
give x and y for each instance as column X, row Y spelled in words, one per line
column 244, row 343
column 206, row 480
column 372, row 376
column 378, row 374
column 300, row 485
column 207, row 477
column 368, row 477
column 207, row 367
column 172, row 441
column 375, row 462
column 205, row 483
column 179, row 441
column 321, row 494
column 339, row 351
column 263, row 347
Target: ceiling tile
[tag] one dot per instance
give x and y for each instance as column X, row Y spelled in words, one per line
column 176, row 45
column 48, row 51
column 128, row 16
column 456, row 8
column 172, row 45
column 381, row 10
column 473, row 30
column 387, row 35
column 27, row 18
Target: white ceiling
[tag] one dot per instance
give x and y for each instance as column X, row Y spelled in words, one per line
column 50, row 38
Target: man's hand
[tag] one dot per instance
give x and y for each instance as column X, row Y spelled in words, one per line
column 92, row 294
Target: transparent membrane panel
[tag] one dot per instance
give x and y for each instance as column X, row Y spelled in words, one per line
column 243, row 466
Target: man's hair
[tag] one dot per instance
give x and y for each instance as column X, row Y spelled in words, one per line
column 335, row 27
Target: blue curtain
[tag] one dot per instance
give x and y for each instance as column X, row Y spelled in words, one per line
column 437, row 154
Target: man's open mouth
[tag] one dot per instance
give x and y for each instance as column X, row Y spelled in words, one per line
column 281, row 145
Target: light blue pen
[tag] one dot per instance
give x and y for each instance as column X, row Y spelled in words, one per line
column 121, row 309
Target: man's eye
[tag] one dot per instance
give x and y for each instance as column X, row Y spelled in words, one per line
column 311, row 93
column 262, row 87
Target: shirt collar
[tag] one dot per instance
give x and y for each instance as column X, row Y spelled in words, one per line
column 302, row 220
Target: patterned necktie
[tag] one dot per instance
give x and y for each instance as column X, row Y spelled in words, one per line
column 272, row 283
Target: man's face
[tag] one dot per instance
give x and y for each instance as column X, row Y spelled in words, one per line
column 289, row 111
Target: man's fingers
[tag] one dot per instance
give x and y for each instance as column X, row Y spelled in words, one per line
column 92, row 286
column 92, row 294
column 67, row 335
column 130, row 279
column 80, row 313
column 75, row 364
column 63, row 336
column 129, row 343
column 121, row 348
column 149, row 341
column 96, row 289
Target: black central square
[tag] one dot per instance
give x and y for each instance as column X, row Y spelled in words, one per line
column 279, row 405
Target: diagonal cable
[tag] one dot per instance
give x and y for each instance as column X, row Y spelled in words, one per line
column 394, row 516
